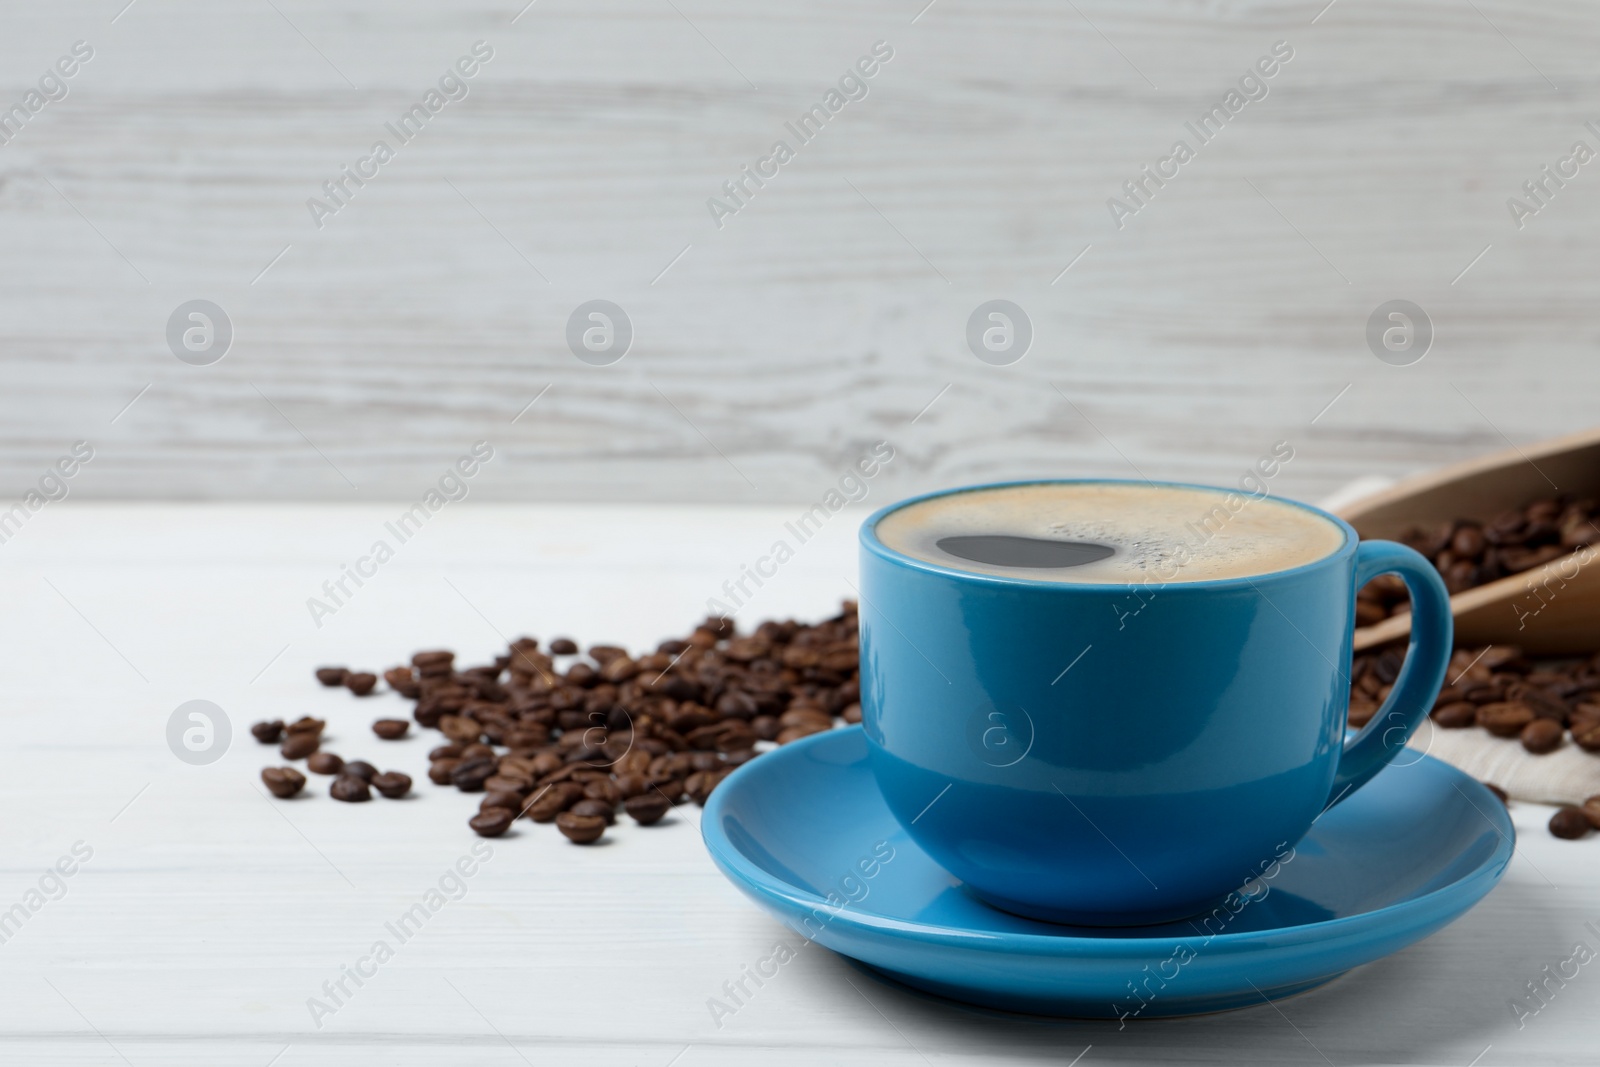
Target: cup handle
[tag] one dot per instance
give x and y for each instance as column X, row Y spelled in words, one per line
column 1421, row 676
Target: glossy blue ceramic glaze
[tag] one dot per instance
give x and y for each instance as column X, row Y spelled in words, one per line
column 1113, row 754
column 805, row 832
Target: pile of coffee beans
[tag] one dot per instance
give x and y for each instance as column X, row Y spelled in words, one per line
column 555, row 736
column 1544, row 703
column 1469, row 553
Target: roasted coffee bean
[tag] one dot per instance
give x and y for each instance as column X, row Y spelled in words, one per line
column 391, row 729
column 360, row 683
column 501, row 782
column 1591, row 810
column 350, row 789
column 306, row 725
column 608, row 812
column 360, row 768
column 267, row 733
column 632, row 785
column 392, row 784
column 433, row 664
column 510, row 801
column 701, row 783
column 1505, row 719
column 283, row 782
column 402, row 680
column 545, row 805
column 324, row 763
column 331, row 676
column 584, row 829
column 1570, row 823
column 1541, row 736
column 647, row 809
column 694, row 708
column 492, row 823
column 470, row 775
column 459, row 728
column 299, row 746
column 1497, row 791
column 1586, row 735
column 1468, row 543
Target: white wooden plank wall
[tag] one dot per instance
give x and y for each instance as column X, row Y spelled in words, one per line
column 829, row 311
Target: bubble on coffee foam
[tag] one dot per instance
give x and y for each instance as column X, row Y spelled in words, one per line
column 1141, row 551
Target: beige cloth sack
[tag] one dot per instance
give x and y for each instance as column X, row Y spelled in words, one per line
column 1569, row 775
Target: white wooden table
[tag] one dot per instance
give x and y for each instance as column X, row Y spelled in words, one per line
column 207, row 915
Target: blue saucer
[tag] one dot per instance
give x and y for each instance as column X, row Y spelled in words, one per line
column 804, row 832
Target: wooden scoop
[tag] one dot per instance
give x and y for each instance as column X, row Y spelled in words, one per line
column 1549, row 610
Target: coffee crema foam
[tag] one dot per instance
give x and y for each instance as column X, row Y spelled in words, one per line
column 1061, row 531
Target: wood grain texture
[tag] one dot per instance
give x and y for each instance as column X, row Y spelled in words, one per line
column 831, row 310
column 207, row 914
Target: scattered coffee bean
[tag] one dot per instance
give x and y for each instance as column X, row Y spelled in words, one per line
column 267, row 733
column 1542, row 735
column 403, row 680
column 324, row 763
column 647, row 809
column 392, row 784
column 331, row 676
column 1455, row 716
column 1497, row 791
column 495, row 799
column 501, row 782
column 299, row 746
column 433, row 664
column 1499, row 689
column 1570, row 823
column 306, row 725
column 470, row 775
column 647, row 731
column 608, row 812
column 1591, row 809
column 587, row 829
column 283, row 782
column 350, row 789
column 360, row 768
column 548, row 802
column 492, row 823
column 1505, row 719
column 360, row 683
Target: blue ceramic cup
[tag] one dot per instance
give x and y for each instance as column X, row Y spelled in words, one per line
column 1071, row 762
